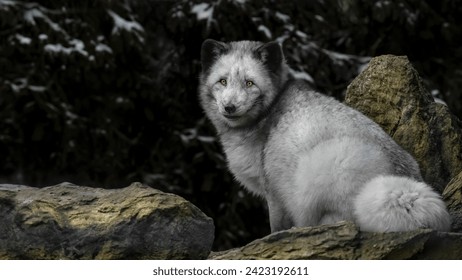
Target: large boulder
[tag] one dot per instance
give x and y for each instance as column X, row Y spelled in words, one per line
column 390, row 92
column 343, row 241
column 74, row 222
column 453, row 197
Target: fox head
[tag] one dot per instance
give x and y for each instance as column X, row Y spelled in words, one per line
column 240, row 80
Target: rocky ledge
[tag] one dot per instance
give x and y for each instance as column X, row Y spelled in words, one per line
column 138, row 222
column 75, row 222
column 343, row 241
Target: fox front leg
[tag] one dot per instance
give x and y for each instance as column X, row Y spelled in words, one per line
column 279, row 217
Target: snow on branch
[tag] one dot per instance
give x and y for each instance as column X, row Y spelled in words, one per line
column 129, row 26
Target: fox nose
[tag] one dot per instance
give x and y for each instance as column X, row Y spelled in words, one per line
column 230, row 109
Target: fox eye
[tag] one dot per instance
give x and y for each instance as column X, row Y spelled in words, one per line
column 248, row 84
column 223, row 82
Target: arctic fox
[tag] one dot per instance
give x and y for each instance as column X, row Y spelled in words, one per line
column 315, row 160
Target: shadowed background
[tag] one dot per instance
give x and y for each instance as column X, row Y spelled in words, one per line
column 104, row 93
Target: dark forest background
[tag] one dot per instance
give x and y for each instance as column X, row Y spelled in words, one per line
column 104, row 93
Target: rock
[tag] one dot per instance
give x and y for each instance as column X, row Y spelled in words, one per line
column 452, row 195
column 331, row 242
column 343, row 241
column 390, row 92
column 74, row 222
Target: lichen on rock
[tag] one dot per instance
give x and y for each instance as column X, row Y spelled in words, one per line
column 344, row 241
column 75, row 222
column 390, row 92
column 452, row 195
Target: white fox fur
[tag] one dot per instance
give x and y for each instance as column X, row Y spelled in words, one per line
column 314, row 159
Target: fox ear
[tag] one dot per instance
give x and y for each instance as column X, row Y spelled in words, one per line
column 210, row 51
column 271, row 55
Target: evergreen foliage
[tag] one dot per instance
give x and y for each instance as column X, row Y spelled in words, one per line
column 103, row 93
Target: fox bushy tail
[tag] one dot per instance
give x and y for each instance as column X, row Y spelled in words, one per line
column 393, row 203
